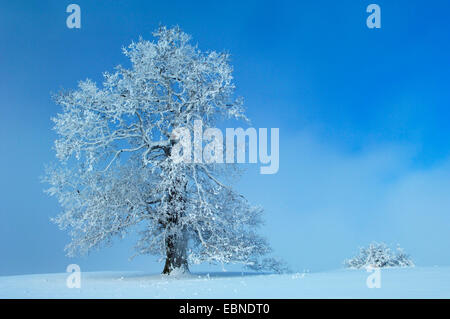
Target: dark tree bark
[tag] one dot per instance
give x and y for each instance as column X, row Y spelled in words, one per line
column 176, row 242
column 176, row 254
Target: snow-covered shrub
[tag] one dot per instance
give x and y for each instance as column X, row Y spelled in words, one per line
column 379, row 255
column 403, row 259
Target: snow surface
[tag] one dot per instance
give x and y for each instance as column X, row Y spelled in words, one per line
column 418, row 282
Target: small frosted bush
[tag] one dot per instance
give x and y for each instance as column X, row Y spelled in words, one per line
column 379, row 255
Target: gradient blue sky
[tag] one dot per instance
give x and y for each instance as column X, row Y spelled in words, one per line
column 363, row 117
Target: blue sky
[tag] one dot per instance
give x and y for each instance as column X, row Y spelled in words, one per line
column 363, row 117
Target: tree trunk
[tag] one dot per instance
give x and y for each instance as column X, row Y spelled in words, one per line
column 176, row 241
column 176, row 254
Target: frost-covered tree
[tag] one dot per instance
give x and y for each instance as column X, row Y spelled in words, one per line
column 115, row 173
column 379, row 255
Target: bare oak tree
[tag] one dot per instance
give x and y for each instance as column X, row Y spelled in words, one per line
column 115, row 172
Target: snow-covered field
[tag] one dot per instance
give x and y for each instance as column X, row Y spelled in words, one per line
column 433, row 282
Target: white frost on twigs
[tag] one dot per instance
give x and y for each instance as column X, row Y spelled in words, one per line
column 115, row 173
column 379, row 255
